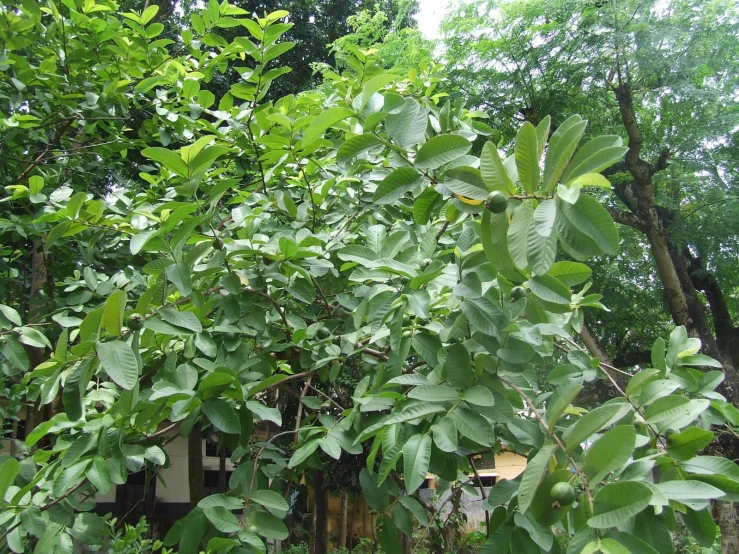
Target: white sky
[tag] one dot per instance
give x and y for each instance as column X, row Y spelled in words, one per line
column 430, row 15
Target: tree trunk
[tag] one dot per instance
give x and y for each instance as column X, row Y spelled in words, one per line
column 343, row 519
column 728, row 521
column 34, row 411
column 222, row 469
column 319, row 525
column 685, row 306
column 195, row 465
column 351, row 526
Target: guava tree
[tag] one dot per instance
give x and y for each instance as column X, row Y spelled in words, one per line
column 206, row 255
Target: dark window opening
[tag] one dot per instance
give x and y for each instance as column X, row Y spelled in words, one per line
column 20, row 433
column 210, row 481
column 487, row 480
column 136, row 497
column 426, row 484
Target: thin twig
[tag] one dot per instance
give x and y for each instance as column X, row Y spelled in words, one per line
column 327, row 397
column 54, row 502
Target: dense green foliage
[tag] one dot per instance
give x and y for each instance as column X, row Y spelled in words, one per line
column 526, row 59
column 177, row 260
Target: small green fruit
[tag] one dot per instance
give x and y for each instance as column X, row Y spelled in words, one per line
column 323, row 333
column 253, row 529
column 517, row 293
column 563, row 493
column 135, row 322
column 497, row 202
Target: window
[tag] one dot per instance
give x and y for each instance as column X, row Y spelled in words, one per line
column 210, row 481
column 487, row 480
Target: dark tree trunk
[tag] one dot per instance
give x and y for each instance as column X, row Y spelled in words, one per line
column 319, row 526
column 222, row 469
column 728, row 520
column 343, row 517
column 195, row 465
column 680, row 282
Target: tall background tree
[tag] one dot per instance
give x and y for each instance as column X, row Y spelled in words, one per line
column 664, row 75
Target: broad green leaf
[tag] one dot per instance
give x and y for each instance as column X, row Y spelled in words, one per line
column 700, row 360
column 559, row 401
column 407, row 128
column 541, row 250
column 424, row 205
column 609, row 453
column 550, row 289
column 99, row 474
column 532, row 476
column 494, row 239
column 639, row 380
column 467, row 182
column 441, row 149
column 570, row 273
column 591, row 149
column 691, row 493
column 416, row 458
column 484, row 315
column 479, row 396
column 434, row 393
column 592, row 422
column 407, row 413
column 458, row 367
column 445, row 434
column 267, row 525
column 562, row 146
column 322, row 122
column 8, row 472
column 499, row 540
column 271, row 500
column 587, row 180
column 593, row 164
column 389, row 461
column 356, row 146
column 473, row 426
column 168, row 158
column 387, row 535
column 592, row 219
column 119, row 362
column 492, row 171
column 303, row 453
column 712, row 465
column 222, row 415
column 701, row 526
column 527, row 157
column 115, row 306
column 14, row 353
column 617, row 502
column 11, row 314
column 674, row 412
column 371, row 87
column 395, row 185
column 377, row 497
column 415, row 507
column 518, row 233
column 184, row 319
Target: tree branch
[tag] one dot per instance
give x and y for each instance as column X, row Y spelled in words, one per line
column 625, row 218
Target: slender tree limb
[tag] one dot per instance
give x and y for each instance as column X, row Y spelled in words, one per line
column 630, row 220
